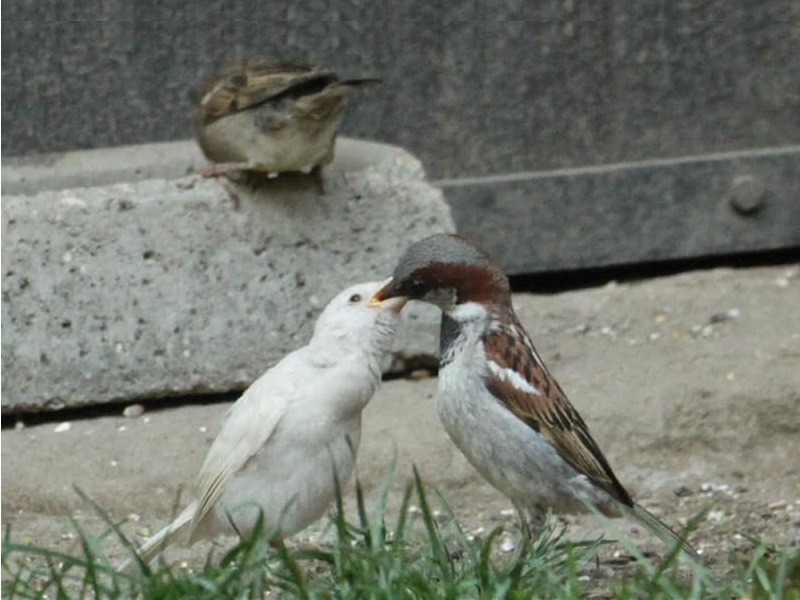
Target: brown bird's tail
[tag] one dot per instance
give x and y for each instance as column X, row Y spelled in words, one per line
column 359, row 82
column 156, row 544
column 660, row 529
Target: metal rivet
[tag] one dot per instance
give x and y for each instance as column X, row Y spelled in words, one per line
column 747, row 195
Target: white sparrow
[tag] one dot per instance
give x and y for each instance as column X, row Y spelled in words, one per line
column 497, row 400
column 280, row 443
column 271, row 118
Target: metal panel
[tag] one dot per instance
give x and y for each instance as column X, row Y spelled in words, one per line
column 627, row 213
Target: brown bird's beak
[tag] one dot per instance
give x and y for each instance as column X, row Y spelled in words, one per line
column 383, row 298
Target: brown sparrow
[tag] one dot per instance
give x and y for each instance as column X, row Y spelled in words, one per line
column 497, row 400
column 271, row 118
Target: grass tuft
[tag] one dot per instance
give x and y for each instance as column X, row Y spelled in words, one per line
column 408, row 555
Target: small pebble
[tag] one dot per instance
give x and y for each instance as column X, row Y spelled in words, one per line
column 709, row 487
column 122, row 428
column 508, row 512
column 654, row 336
column 133, row 517
column 715, row 516
column 19, row 426
column 113, row 463
column 414, row 510
column 62, row 427
column 728, row 315
column 582, row 329
column 133, row 411
column 146, row 420
column 778, row 504
column 730, row 376
column 184, row 184
column 782, row 282
column 507, row 545
column 683, row 491
column 202, row 429
column 440, row 516
column 660, row 318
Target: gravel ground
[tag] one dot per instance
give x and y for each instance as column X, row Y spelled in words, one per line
column 690, row 383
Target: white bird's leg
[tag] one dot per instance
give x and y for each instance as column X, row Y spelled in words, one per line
column 233, row 526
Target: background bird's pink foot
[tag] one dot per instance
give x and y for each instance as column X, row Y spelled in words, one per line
column 220, row 169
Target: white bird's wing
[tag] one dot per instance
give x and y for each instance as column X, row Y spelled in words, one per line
column 247, row 427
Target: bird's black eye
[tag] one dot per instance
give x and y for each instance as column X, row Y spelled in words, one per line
column 355, row 298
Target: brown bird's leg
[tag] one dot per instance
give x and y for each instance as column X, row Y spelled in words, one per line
column 532, row 521
column 219, row 169
column 220, row 172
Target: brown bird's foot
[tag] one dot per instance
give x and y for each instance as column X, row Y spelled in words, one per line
column 532, row 521
column 220, row 169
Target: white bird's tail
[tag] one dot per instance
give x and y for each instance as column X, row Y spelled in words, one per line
column 662, row 531
column 157, row 543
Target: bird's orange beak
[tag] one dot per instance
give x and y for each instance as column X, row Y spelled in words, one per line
column 378, row 299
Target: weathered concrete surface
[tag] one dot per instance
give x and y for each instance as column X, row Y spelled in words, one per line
column 156, row 288
column 678, row 388
column 169, row 160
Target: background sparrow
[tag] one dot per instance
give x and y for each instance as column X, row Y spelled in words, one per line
column 497, row 400
column 271, row 118
column 280, row 442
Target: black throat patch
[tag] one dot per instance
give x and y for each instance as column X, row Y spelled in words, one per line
column 448, row 334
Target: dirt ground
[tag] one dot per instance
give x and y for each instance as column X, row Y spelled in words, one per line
column 690, row 384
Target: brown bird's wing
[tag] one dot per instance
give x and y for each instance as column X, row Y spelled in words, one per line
column 244, row 87
column 325, row 105
column 538, row 400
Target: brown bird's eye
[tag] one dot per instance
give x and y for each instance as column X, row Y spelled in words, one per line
column 355, row 298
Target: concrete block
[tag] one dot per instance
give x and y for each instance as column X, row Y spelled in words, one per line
column 161, row 288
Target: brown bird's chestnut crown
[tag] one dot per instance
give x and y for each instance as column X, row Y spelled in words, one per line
column 448, row 269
